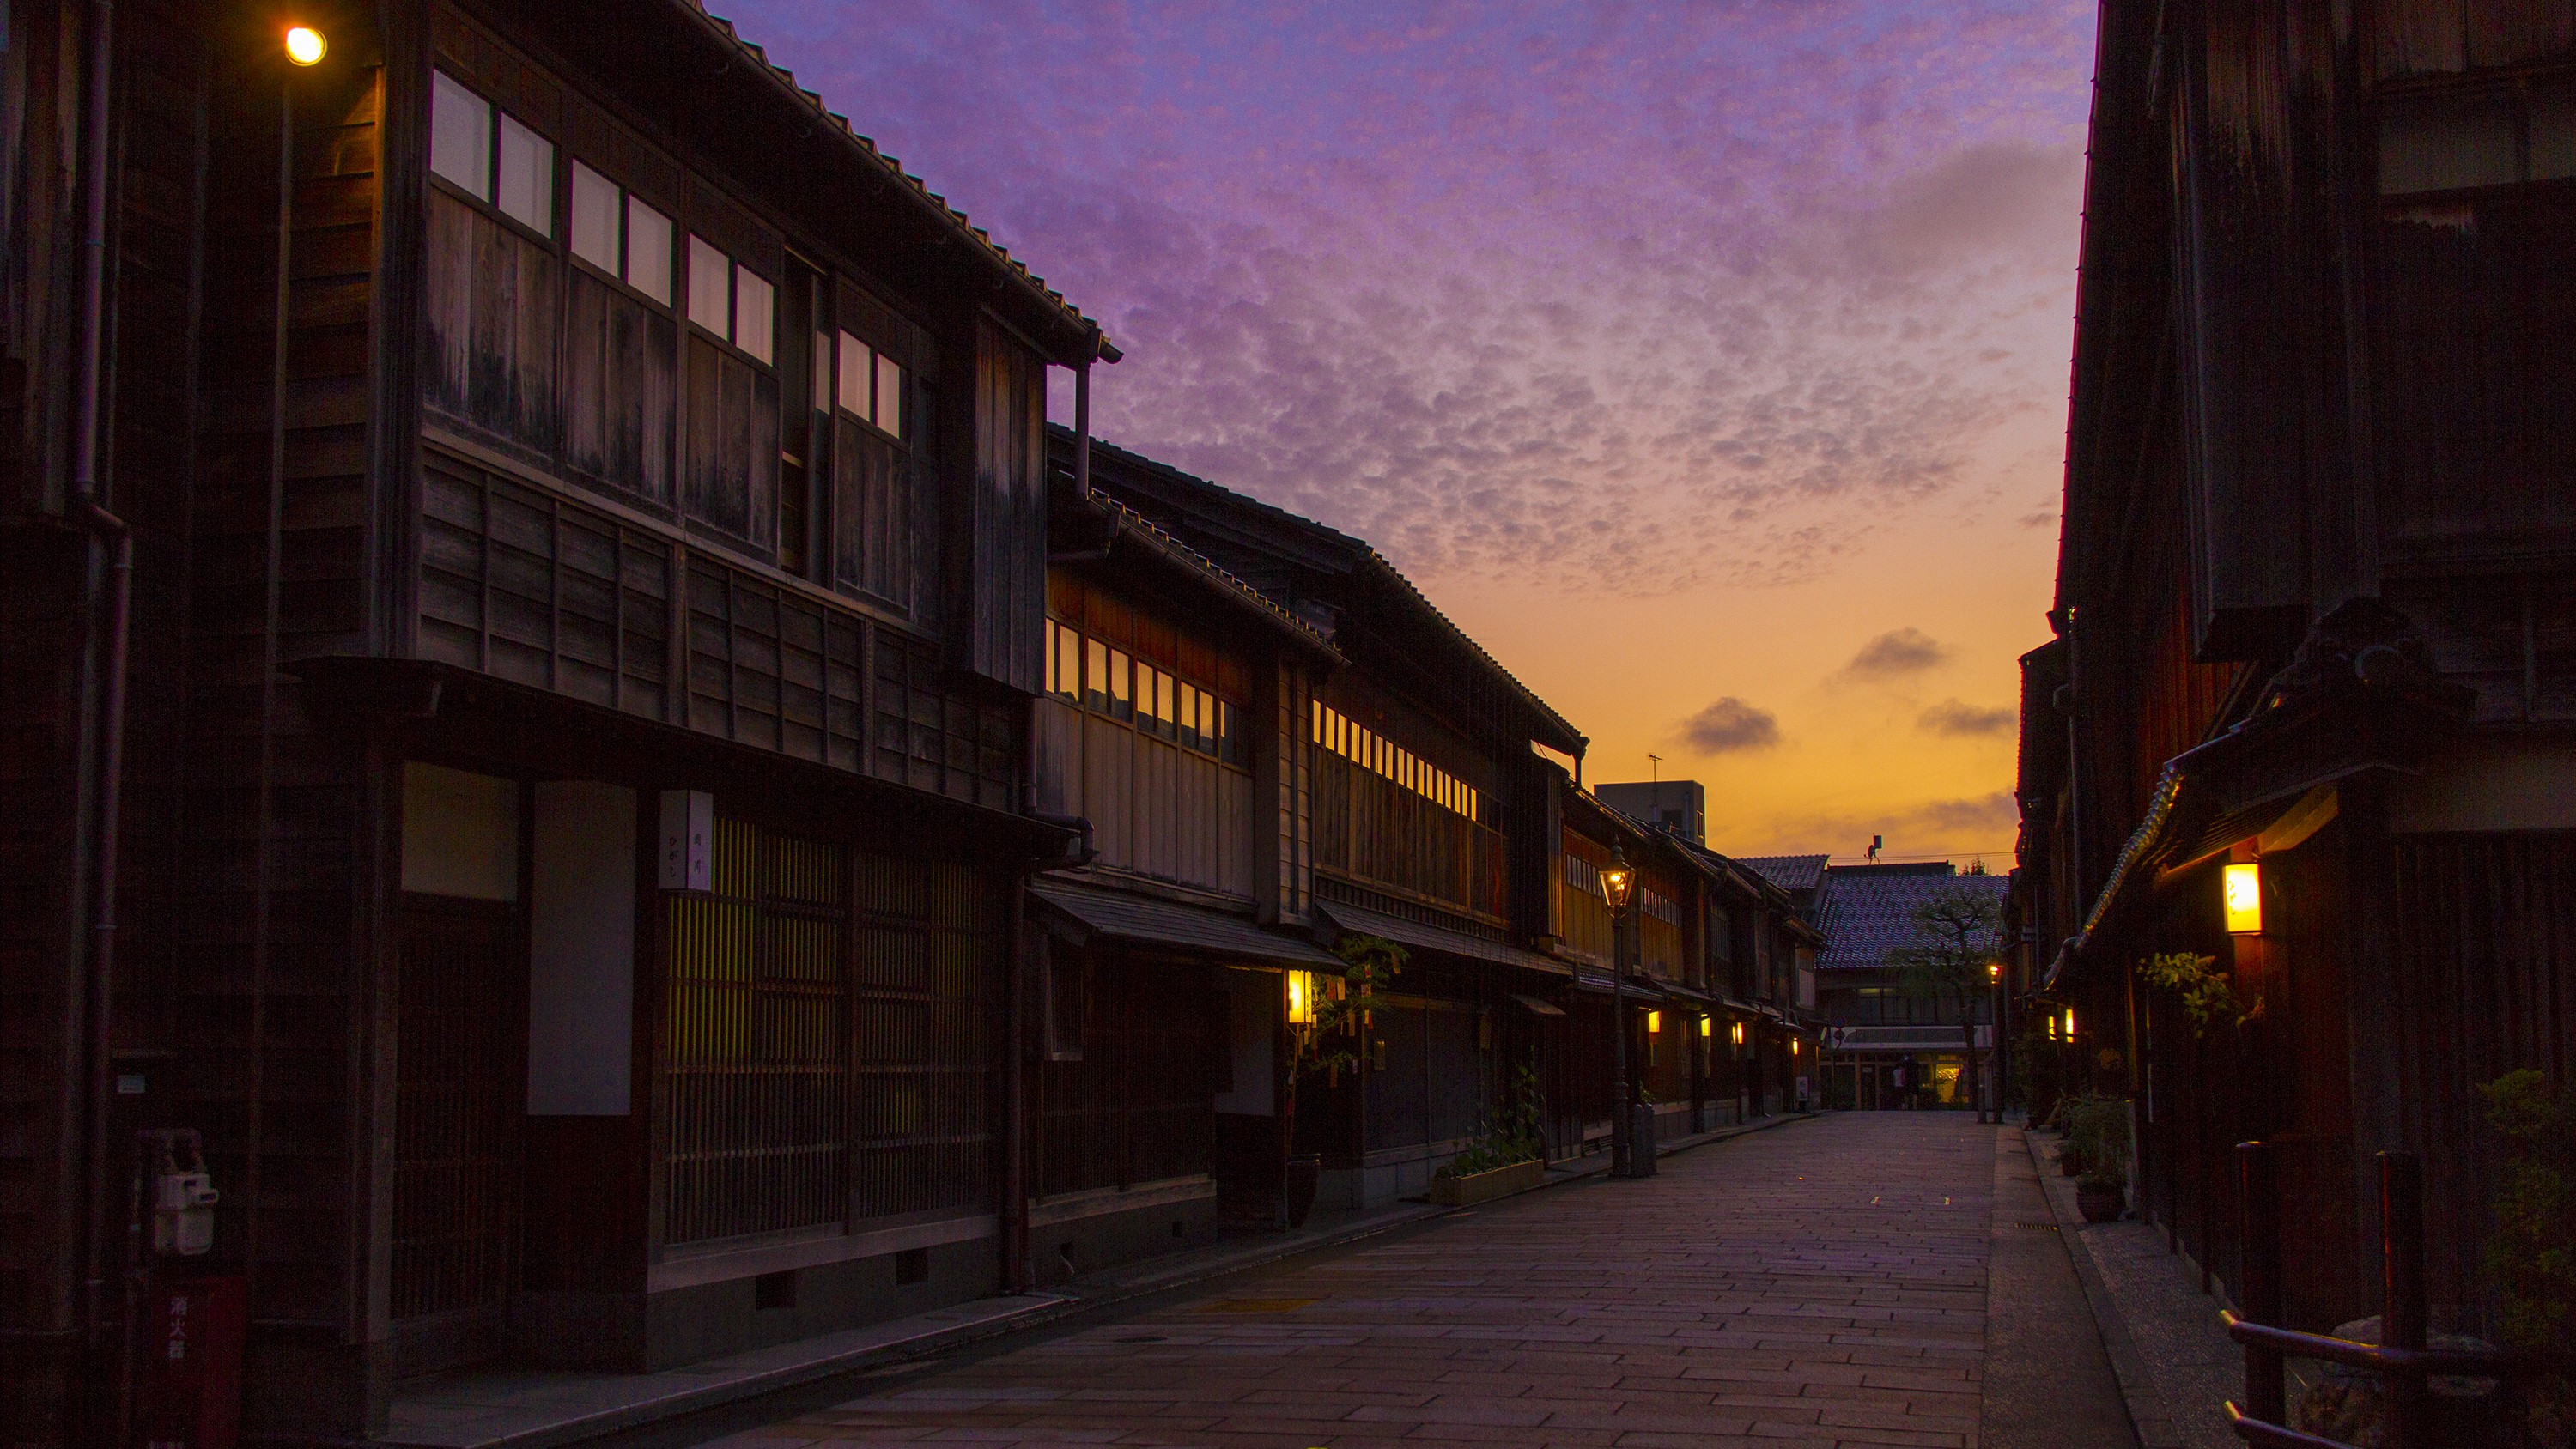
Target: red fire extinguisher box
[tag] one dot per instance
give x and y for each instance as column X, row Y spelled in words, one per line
column 191, row 1374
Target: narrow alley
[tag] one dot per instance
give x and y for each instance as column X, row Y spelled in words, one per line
column 1825, row 1283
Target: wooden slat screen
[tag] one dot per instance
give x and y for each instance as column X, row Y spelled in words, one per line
column 1370, row 829
column 772, row 668
column 926, row 974
column 519, row 584
column 930, row 735
column 755, row 1090
column 458, row 1101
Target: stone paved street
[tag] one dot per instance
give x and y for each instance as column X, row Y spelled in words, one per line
column 1824, row 1283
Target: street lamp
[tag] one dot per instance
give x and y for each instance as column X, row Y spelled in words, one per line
column 1628, row 1156
column 305, row 45
column 1995, row 1032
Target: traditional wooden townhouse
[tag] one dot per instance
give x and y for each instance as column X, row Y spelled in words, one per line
column 523, row 590
column 1173, row 725
column 1771, row 993
column 1900, row 1038
column 1417, row 812
column 2298, row 778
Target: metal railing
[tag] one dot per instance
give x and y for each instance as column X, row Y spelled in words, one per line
column 2401, row 1358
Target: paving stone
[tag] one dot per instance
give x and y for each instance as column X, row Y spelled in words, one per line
column 1821, row 1284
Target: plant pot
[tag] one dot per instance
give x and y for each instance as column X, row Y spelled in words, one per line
column 2069, row 1164
column 2101, row 1204
column 1485, row 1186
column 1303, row 1172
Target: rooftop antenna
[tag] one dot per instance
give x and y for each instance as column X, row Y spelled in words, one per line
column 1655, row 776
column 1875, row 842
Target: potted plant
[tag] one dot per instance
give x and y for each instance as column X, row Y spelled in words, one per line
column 2101, row 1196
column 2097, row 1133
column 1322, row 1044
column 1506, row 1157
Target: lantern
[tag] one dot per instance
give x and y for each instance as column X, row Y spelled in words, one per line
column 1654, row 1021
column 1301, row 998
column 305, row 45
column 2242, row 886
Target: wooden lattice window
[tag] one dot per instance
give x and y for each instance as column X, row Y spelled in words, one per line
column 924, row 981
column 756, row 1081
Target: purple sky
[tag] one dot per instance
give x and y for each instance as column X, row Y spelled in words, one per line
column 1616, row 302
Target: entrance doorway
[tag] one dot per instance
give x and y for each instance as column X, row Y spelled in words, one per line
column 459, row 1101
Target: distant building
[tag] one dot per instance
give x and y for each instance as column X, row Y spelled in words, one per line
column 1677, row 806
column 1875, row 1025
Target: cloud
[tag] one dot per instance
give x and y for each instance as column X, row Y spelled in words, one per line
column 1996, row 811
column 1955, row 718
column 1959, row 826
column 1624, row 300
column 1896, row 652
column 1730, row 725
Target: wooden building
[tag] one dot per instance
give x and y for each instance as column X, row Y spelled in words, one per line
column 1170, row 718
column 523, row 585
column 2313, row 616
column 1407, row 815
column 1880, row 1021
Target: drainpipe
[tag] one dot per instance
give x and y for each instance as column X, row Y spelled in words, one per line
column 1082, row 425
column 90, row 959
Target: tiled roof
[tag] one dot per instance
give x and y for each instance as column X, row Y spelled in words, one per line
column 1367, row 556
column 958, row 224
column 1137, row 525
column 1865, row 916
column 1788, row 872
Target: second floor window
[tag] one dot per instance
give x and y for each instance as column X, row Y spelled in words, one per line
column 503, row 165
column 619, row 233
column 1371, row 751
column 1107, row 680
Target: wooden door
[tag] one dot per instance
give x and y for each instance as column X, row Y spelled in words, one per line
column 459, row 1101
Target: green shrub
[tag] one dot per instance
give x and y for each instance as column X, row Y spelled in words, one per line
column 2097, row 1129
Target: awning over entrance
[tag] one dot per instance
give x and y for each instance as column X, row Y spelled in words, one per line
column 1435, row 938
column 1540, row 1008
column 1147, row 921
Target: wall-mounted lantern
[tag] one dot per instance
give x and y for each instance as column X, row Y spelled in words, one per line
column 1301, row 998
column 1994, row 973
column 1707, row 1025
column 1739, row 1033
column 305, row 45
column 2242, row 884
column 1654, row 1021
column 2070, row 1023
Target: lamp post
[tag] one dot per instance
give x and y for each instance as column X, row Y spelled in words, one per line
column 1995, row 1033
column 1618, row 883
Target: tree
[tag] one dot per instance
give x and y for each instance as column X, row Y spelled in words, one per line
column 1954, row 939
column 1370, row 963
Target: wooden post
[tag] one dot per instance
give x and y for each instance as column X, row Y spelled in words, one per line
column 2401, row 1314
column 2266, row 1389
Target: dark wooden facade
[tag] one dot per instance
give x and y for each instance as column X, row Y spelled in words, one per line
column 593, row 421
column 2312, row 610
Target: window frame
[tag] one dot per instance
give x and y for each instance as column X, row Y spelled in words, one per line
column 495, row 117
